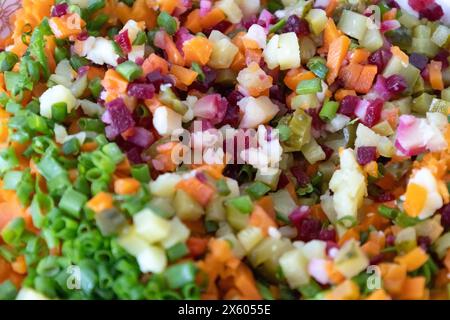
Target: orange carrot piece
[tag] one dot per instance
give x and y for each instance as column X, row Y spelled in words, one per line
column 155, row 63
column 330, row 33
column 212, row 18
column 350, row 75
column 19, row 265
column 197, row 246
column 199, row 191
column 114, row 82
column 238, row 62
column 186, row 76
column 360, row 55
column 101, row 201
column 193, row 21
column 168, row 5
column 245, row 283
column 394, row 276
column 198, row 49
column 342, row 93
column 266, row 203
column 347, row 290
column 413, row 260
column 336, row 55
column 396, row 51
column 435, row 71
column 366, row 78
column 174, row 56
column 413, row 288
column 259, row 218
column 332, row 5
column 126, row 186
column 295, row 76
column 379, row 294
column 66, row 26
column 390, row 15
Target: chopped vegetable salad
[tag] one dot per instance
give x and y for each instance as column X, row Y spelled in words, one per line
column 231, row 149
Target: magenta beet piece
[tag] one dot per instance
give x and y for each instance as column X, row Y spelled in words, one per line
column 327, row 235
column 432, row 12
column 348, row 105
column 156, row 78
column 385, row 197
column 380, row 58
column 445, row 216
column 328, row 151
column 59, row 10
column 376, row 259
column 297, row 25
column 301, row 176
column 211, row 107
column 424, row 242
column 442, row 56
column 123, row 40
column 373, row 114
column 418, row 5
column 181, row 36
column 141, row 90
column 396, row 84
column 283, row 181
column 299, row 214
column 134, row 155
column 390, row 240
column 141, row 137
column 309, row 229
column 418, row 60
column 392, row 4
column 365, row 155
column 119, row 117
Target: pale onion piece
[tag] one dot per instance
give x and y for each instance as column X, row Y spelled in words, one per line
column 256, row 111
column 288, row 52
column 60, row 133
column 133, row 29
column 82, row 48
column 103, row 52
column 64, row 69
column 318, row 269
column 56, row 94
column 165, row 120
column 314, row 249
column 90, row 108
column 249, row 7
column 136, row 53
column 337, row 123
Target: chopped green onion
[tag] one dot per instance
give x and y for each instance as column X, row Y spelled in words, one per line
column 309, row 86
column 61, row 54
column 94, row 5
column 328, row 111
column 95, row 87
column 284, row 132
column 95, row 125
column 71, row 146
column 222, row 187
column 140, row 39
column 196, row 67
column 177, row 251
column 211, row 226
column 8, row 160
column 243, row 204
column 404, row 221
column 167, row 22
column 12, row 232
column 7, row 60
column 37, row 123
column 180, row 274
column 310, row 290
column 8, row 290
column 141, row 173
column 387, row 212
column 277, row 26
column 318, row 67
column 113, row 151
column 77, row 62
column 191, row 291
column 72, row 202
column 59, row 111
column 305, row 190
column 93, row 26
column 129, row 70
column 12, row 179
column 257, row 190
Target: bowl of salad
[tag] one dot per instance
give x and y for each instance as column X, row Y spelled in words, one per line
column 185, row 149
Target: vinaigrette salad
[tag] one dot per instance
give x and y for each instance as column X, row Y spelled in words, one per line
column 231, row 149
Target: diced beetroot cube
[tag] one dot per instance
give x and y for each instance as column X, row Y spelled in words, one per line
column 365, row 155
column 348, row 105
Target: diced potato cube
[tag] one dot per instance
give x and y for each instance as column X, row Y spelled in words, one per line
column 250, row 237
column 314, row 249
column 294, row 266
column 152, row 259
column 351, row 260
column 164, row 185
column 317, row 19
column 282, row 50
column 256, row 111
column 440, row 35
column 187, row 208
column 231, row 10
column 150, row 226
column 353, row 24
column 223, row 52
column 178, row 233
column 131, row 241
